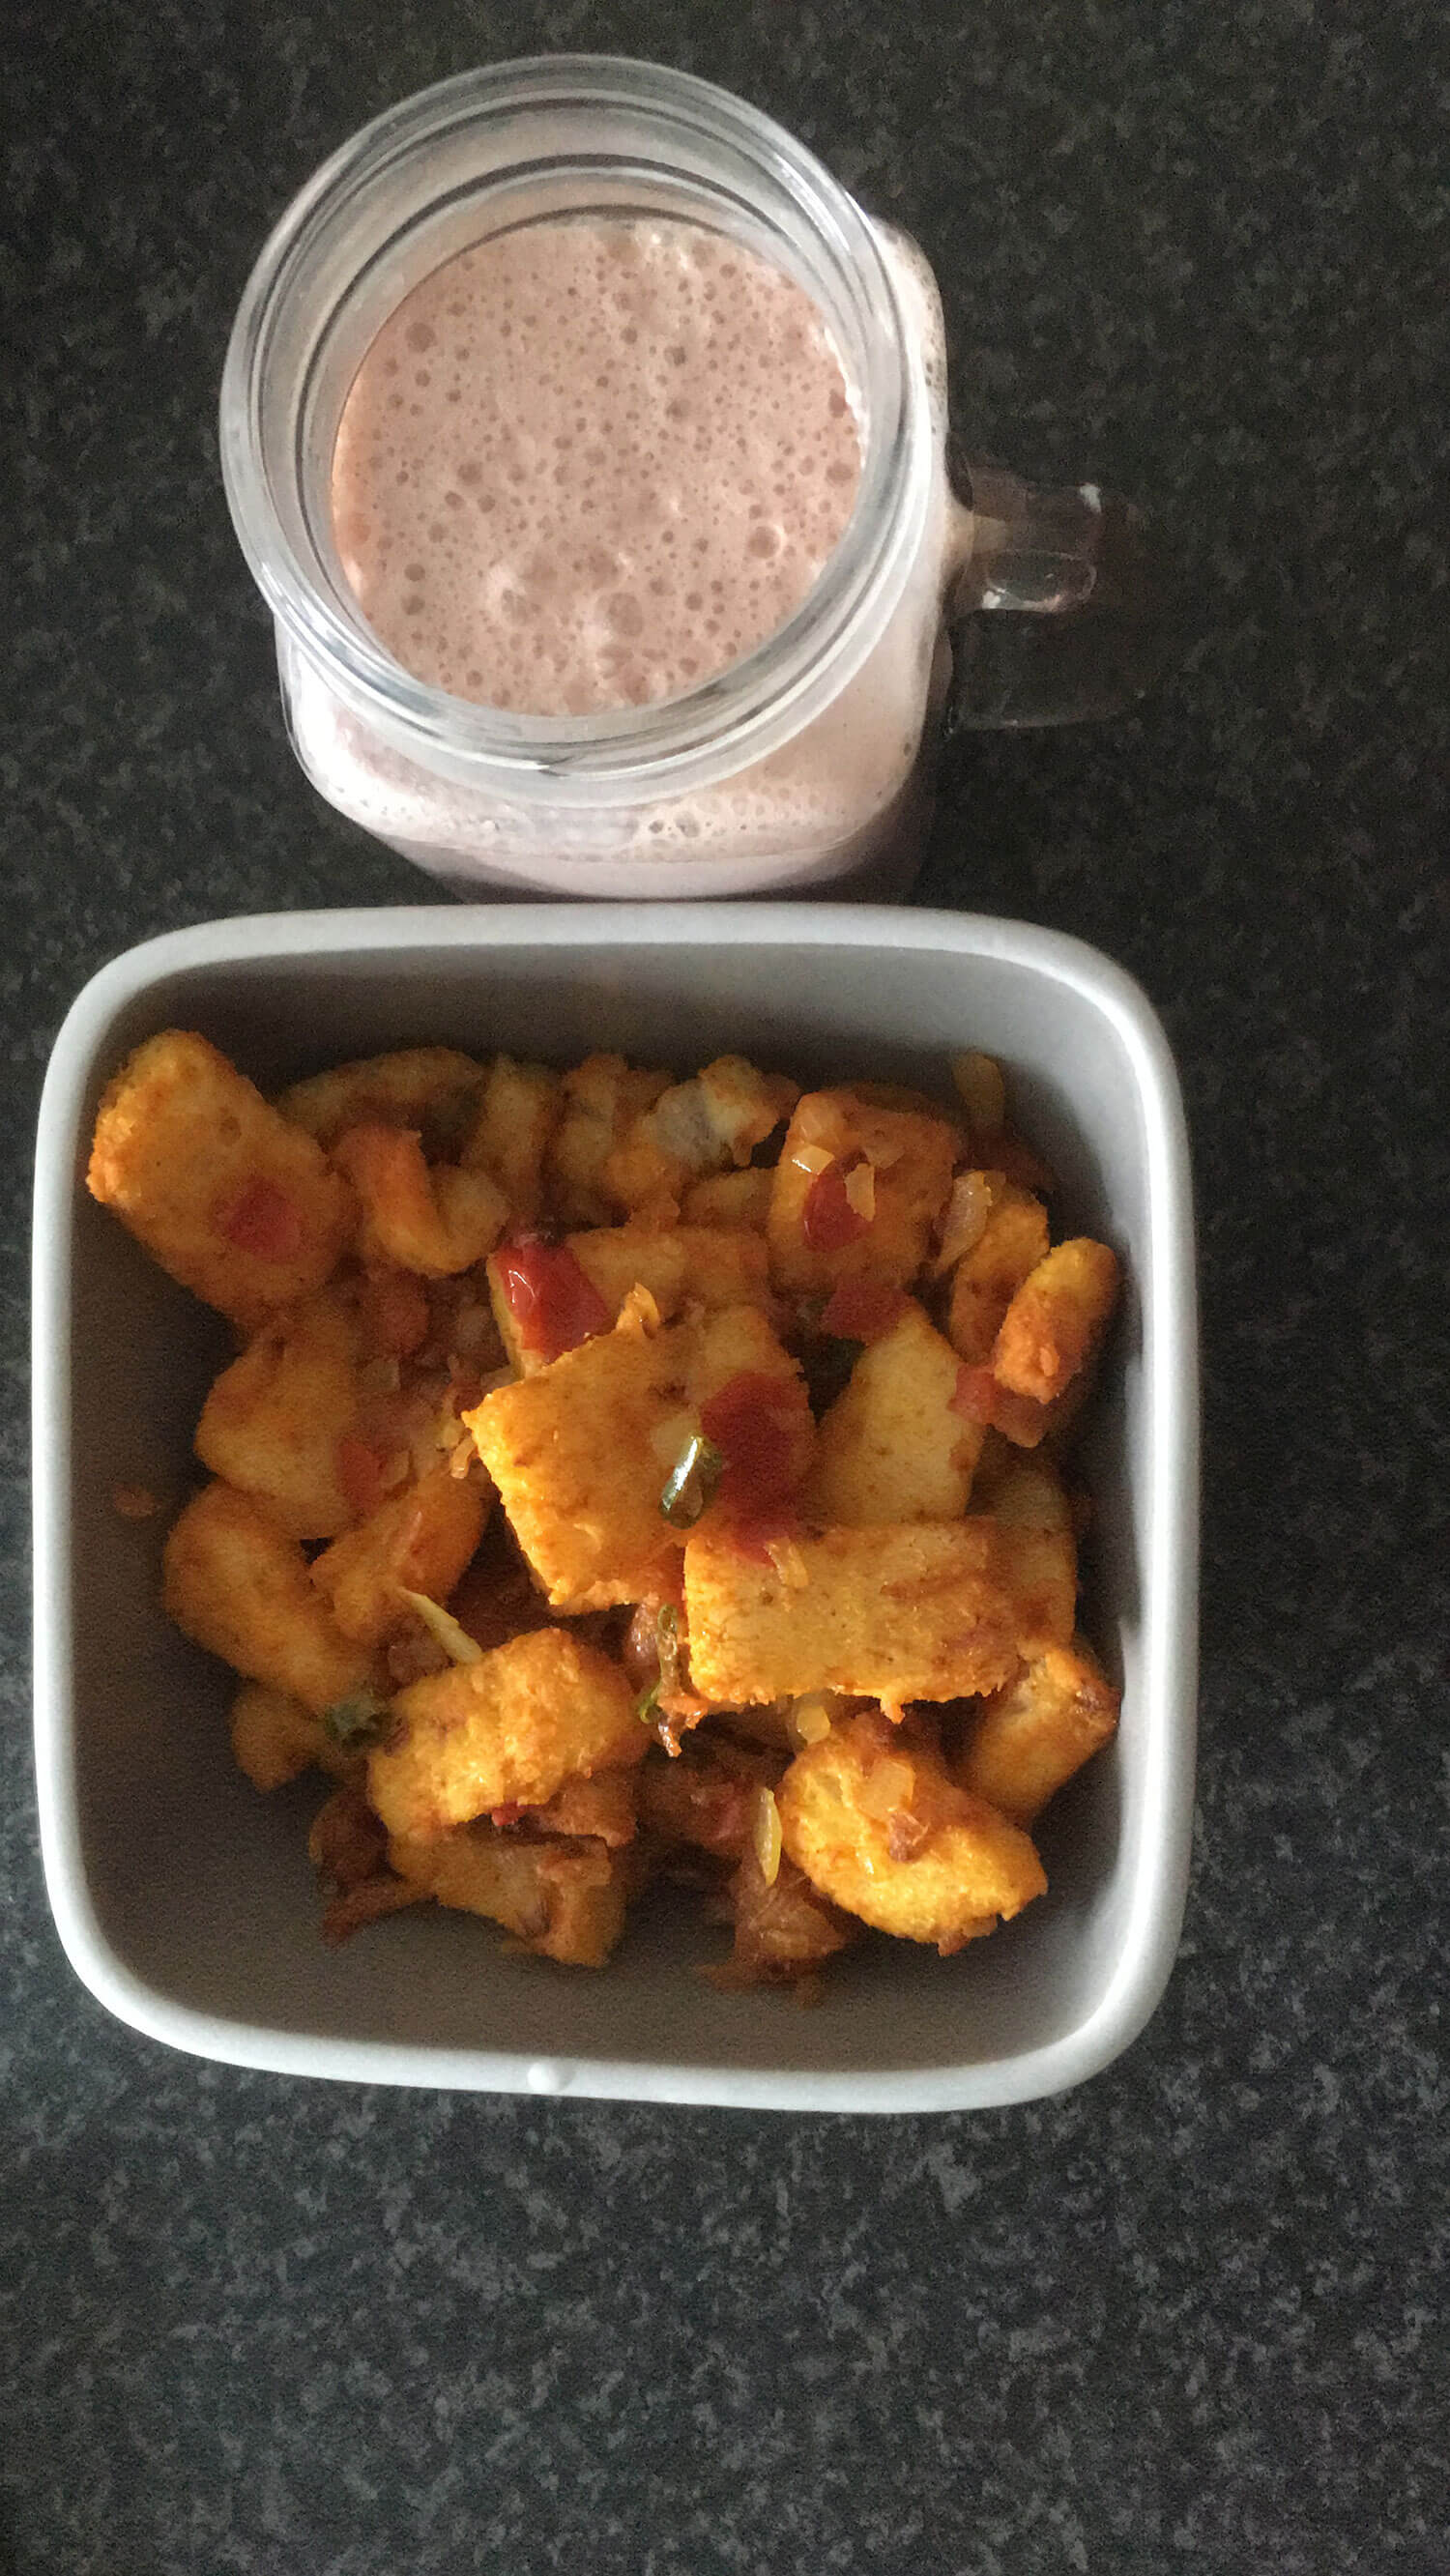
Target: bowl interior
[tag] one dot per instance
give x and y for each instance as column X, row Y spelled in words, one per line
column 201, row 1891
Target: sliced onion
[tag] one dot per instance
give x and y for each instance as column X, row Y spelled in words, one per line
column 860, row 1185
column 441, row 1625
column 808, row 1719
column 765, row 1834
column 965, row 1220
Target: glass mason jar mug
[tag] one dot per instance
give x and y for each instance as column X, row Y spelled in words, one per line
column 803, row 763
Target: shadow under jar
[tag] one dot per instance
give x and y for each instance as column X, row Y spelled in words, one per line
column 808, row 760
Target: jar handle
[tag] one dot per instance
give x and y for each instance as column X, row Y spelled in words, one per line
column 1062, row 609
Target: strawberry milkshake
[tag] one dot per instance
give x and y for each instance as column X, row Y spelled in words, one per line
column 589, row 463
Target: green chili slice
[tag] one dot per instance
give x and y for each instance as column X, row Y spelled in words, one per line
column 359, row 1719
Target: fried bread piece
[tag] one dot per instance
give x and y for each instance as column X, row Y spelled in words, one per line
column 273, row 1420
column 507, row 1731
column 420, row 1540
column 234, row 1201
column 890, row 1447
column 857, row 1191
column 875, row 1821
column 916, row 1610
column 581, row 1450
column 235, row 1583
column 1035, row 1733
column 565, row 1900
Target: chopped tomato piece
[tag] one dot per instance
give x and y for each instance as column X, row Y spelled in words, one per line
column 555, row 1305
column 360, row 1470
column 261, row 1220
column 861, row 1310
column 756, row 1423
column 828, row 1219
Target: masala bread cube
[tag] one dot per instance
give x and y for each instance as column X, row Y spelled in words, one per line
column 917, row 1610
column 1033, row 1734
column 235, row 1202
column 895, row 1168
column 564, row 1900
column 237, row 1584
column 272, row 1421
column 891, row 1448
column 420, row 1540
column 878, row 1825
column 506, row 1731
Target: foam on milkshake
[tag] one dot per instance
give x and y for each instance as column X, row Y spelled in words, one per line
column 589, row 463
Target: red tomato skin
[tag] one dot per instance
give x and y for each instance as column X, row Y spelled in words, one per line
column 555, row 1305
column 828, row 1220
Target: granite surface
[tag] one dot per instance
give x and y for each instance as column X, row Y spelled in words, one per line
column 1194, row 2314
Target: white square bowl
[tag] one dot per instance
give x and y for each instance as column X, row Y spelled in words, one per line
column 186, row 1902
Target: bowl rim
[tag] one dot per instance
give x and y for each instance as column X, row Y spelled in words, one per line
column 1170, row 1643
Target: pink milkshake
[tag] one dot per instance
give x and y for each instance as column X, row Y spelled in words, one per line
column 589, row 445
column 588, row 464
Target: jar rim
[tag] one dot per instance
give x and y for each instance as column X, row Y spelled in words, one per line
column 737, row 715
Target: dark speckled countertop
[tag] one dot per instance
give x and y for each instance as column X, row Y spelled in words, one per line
column 1193, row 2314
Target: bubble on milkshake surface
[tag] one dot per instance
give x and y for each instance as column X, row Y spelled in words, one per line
column 682, row 462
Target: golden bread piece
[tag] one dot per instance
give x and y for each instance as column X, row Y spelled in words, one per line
column 601, row 1099
column 504, row 1732
column 516, row 1117
column 703, row 1265
column 709, row 1266
column 420, row 1540
column 411, row 1087
column 432, row 1220
column 581, row 1450
column 876, row 1823
column 987, row 1278
column 1026, row 1499
column 238, row 1585
column 231, row 1199
column 272, row 1421
column 563, row 1899
column 1034, row 1734
column 896, row 1161
column 890, row 1448
column 1040, row 1570
column 893, row 1612
column 1056, row 1319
